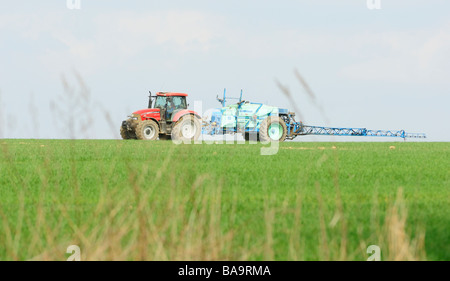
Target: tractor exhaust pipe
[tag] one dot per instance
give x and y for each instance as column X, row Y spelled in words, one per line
column 150, row 101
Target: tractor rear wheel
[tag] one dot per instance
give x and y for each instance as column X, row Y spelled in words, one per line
column 273, row 128
column 187, row 129
column 147, row 130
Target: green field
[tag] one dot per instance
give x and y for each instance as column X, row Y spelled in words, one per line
column 137, row 200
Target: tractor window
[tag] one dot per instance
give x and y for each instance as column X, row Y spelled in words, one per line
column 160, row 102
column 179, row 102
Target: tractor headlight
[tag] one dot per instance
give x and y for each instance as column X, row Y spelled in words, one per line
column 134, row 117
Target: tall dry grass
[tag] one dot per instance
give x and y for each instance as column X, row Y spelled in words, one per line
column 119, row 230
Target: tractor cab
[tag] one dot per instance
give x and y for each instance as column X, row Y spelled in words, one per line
column 169, row 104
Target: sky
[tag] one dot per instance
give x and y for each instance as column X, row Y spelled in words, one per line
column 77, row 73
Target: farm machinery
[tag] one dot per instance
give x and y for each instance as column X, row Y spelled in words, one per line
column 168, row 117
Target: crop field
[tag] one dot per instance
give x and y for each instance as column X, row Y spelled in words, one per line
column 141, row 200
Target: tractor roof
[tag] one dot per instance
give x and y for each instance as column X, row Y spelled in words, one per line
column 166, row 94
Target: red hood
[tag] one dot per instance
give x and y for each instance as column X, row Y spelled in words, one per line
column 147, row 110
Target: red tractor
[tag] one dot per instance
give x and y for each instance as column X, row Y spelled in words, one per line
column 167, row 117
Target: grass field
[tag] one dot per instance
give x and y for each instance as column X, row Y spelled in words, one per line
column 136, row 200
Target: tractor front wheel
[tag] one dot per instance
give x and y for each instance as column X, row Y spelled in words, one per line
column 273, row 128
column 147, row 130
column 127, row 135
column 187, row 129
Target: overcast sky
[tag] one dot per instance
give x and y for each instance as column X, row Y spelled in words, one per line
column 79, row 72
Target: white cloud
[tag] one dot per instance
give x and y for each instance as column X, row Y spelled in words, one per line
column 119, row 36
column 182, row 30
column 421, row 56
column 114, row 36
